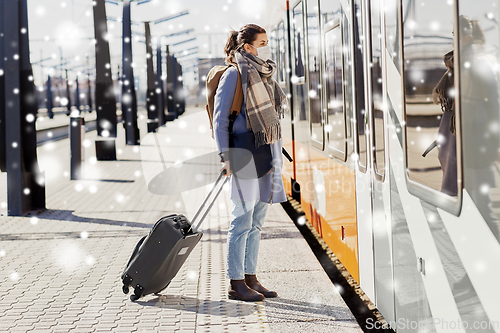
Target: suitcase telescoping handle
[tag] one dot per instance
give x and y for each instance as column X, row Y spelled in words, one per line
column 195, row 228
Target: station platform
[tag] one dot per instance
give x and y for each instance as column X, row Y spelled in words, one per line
column 60, row 268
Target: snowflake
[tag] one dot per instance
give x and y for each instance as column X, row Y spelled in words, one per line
column 192, row 275
column 90, row 260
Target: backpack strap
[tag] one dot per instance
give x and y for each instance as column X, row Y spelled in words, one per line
column 237, row 101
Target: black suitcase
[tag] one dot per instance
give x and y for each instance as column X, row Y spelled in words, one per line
column 158, row 256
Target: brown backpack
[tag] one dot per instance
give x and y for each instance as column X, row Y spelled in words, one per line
column 213, row 79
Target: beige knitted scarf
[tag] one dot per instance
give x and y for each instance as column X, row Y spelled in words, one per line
column 265, row 100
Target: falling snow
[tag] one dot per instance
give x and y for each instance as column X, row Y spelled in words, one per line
column 90, row 260
column 192, row 275
column 120, row 198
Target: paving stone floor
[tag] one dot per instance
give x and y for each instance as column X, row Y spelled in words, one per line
column 60, row 268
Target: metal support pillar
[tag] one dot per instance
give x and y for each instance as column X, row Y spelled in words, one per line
column 3, row 167
column 89, row 89
column 68, row 94
column 151, row 100
column 170, row 88
column 175, row 85
column 159, row 84
column 129, row 99
column 118, row 84
column 77, row 97
column 25, row 182
column 76, row 133
column 105, row 99
column 50, row 102
column 180, row 97
column 89, row 94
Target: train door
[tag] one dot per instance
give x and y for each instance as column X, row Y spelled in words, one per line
column 283, row 77
column 338, row 225
column 373, row 191
column 375, row 92
column 301, row 132
column 363, row 182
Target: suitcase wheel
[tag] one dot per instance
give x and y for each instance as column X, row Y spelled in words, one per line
column 125, row 289
column 134, row 297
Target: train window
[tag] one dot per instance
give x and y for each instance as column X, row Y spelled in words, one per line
column 377, row 99
column 348, row 70
column 359, row 90
column 392, row 31
column 431, row 131
column 298, row 72
column 299, row 52
column 281, row 52
column 334, row 91
column 478, row 40
column 314, row 74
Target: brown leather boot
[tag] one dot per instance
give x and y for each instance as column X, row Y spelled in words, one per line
column 252, row 282
column 240, row 290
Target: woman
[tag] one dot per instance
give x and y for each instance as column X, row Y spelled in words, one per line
column 446, row 141
column 262, row 107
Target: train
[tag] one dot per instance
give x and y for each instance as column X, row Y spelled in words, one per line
column 394, row 129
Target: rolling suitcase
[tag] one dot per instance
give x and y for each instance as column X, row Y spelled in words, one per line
column 158, row 256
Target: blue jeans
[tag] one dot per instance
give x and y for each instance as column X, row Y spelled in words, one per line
column 243, row 238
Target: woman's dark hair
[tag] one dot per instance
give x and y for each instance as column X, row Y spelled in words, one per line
column 247, row 34
column 472, row 27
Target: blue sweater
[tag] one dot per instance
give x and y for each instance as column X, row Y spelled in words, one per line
column 269, row 188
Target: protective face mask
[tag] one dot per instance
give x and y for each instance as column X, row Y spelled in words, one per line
column 263, row 52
